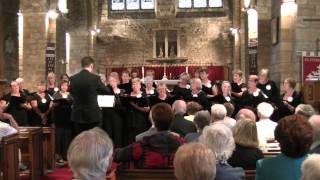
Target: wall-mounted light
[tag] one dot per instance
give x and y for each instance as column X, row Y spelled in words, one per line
column 62, row 6
column 52, row 14
column 288, row 1
column 68, row 44
column 246, row 3
column 288, row 8
column 95, row 31
column 234, row 31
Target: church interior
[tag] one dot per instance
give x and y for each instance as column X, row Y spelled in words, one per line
column 231, row 62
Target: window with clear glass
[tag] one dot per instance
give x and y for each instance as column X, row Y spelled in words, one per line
column 200, row 3
column 122, row 5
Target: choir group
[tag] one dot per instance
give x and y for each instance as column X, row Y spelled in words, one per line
column 134, row 97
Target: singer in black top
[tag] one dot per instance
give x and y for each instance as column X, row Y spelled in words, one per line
column 162, row 96
column 206, row 83
column 290, row 99
column 61, row 116
column 149, row 88
column 225, row 95
column 252, row 96
column 268, row 87
column 125, row 82
column 182, row 90
column 197, row 95
column 84, row 88
column 17, row 104
column 237, row 86
column 113, row 116
column 41, row 107
column 137, row 115
column 51, row 84
column 271, row 92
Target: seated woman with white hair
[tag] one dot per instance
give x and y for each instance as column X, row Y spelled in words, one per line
column 194, row 161
column 265, row 126
column 90, row 155
column 219, row 114
column 218, row 137
column 305, row 110
column 311, row 168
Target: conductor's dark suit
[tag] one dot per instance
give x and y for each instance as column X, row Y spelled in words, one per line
column 84, row 88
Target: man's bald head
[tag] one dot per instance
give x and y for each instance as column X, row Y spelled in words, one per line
column 246, row 114
column 179, row 107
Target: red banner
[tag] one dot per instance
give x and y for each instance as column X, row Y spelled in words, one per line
column 310, row 69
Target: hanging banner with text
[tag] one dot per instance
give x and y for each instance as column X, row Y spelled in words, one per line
column 310, row 69
column 50, row 57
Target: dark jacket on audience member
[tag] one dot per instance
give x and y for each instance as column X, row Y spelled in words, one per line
column 84, row 88
column 245, row 157
column 182, row 126
column 226, row 172
column 315, row 148
column 152, row 152
column 192, row 137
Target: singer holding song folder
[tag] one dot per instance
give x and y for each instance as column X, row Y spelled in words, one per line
column 84, row 88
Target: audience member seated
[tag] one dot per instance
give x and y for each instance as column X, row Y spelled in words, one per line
column 8, row 119
column 193, row 162
column 246, row 114
column 6, row 130
column 306, row 110
column 247, row 152
column 265, row 126
column 311, row 168
column 90, row 155
column 315, row 123
column 155, row 151
column 192, row 109
column 201, row 120
column 218, row 137
column 230, row 110
column 295, row 135
column 180, row 125
column 219, row 113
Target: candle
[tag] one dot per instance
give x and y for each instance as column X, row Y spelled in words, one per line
column 187, row 69
column 142, row 72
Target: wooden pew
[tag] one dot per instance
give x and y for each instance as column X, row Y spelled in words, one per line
column 250, row 174
column 31, row 150
column 48, row 142
column 145, row 174
column 9, row 158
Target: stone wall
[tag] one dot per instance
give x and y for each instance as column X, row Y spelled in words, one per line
column 299, row 30
column 128, row 39
column 264, row 33
column 307, row 32
column 10, row 38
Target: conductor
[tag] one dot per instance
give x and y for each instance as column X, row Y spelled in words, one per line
column 84, row 88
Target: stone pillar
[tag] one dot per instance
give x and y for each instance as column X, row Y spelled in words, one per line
column 237, row 19
column 264, row 34
column 287, row 39
column 1, row 43
column 34, row 41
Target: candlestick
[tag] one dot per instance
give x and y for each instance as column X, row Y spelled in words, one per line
column 142, row 69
